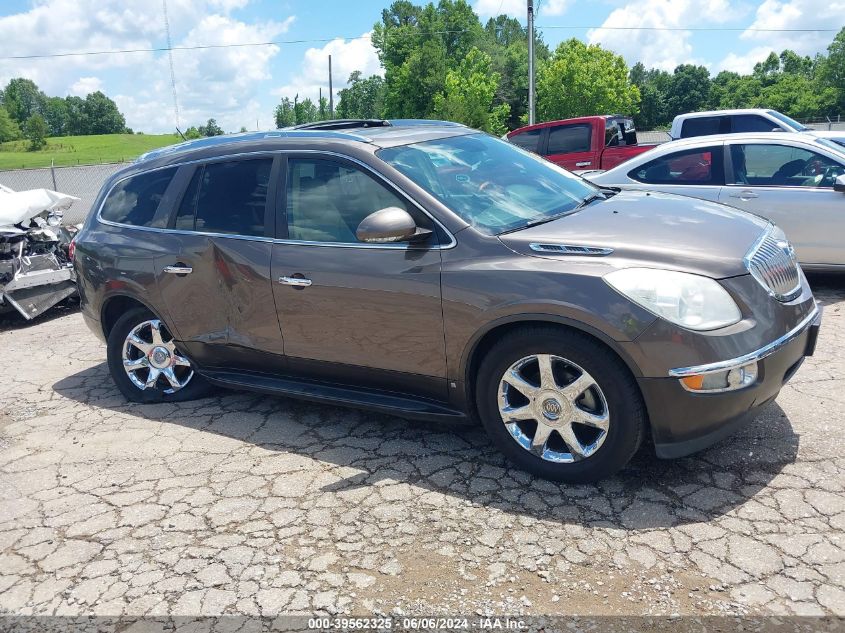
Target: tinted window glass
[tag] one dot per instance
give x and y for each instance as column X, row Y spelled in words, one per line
column 701, row 166
column 702, row 126
column 752, row 123
column 782, row 166
column 188, row 207
column 529, row 140
column 232, row 197
column 135, row 200
column 565, row 139
column 492, row 185
column 326, row 201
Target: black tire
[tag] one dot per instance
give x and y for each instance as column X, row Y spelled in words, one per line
column 623, row 399
column 196, row 388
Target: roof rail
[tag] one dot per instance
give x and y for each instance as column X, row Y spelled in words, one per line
column 341, row 124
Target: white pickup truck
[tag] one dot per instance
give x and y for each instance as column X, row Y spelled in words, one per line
column 732, row 122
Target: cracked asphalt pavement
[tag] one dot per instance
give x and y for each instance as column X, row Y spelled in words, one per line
column 257, row 505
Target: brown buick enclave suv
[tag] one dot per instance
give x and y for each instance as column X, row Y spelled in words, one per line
column 432, row 271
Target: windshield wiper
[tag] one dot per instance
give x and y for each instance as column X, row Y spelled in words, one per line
column 591, row 198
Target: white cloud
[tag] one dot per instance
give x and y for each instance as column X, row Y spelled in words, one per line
column 518, row 8
column 86, row 85
column 347, row 57
column 220, row 83
column 743, row 63
column 796, row 14
column 663, row 49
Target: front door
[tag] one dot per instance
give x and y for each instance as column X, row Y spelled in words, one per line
column 216, row 285
column 570, row 146
column 793, row 187
column 350, row 311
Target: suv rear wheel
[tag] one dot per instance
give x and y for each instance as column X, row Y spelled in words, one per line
column 560, row 405
column 145, row 363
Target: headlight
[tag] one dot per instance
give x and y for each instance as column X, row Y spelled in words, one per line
column 691, row 301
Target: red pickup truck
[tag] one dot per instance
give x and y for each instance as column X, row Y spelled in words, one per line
column 590, row 142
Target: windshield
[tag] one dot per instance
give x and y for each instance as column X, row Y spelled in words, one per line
column 492, row 185
column 795, row 125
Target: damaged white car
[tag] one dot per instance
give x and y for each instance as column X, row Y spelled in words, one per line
column 36, row 268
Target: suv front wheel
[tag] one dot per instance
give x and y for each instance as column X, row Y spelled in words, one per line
column 145, row 363
column 560, row 405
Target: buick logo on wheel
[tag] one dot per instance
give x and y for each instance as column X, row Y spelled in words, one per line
column 551, row 408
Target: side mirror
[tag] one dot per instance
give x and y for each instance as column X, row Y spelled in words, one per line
column 390, row 224
column 839, row 184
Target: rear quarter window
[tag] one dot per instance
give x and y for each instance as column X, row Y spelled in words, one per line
column 136, row 199
column 705, row 126
column 529, row 140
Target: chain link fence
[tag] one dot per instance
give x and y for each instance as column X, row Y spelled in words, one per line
column 82, row 181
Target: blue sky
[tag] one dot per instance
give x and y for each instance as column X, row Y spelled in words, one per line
column 240, row 86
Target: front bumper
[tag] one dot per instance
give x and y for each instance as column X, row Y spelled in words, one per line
column 684, row 422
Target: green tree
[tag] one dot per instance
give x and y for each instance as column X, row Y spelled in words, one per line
column 689, row 90
column 22, row 98
column 581, row 80
column 304, row 111
column 832, row 69
column 102, row 115
column 35, row 130
column 362, row 98
column 284, row 114
column 192, row 133
column 653, row 85
column 210, row 129
column 469, row 94
column 77, row 119
column 9, row 128
column 56, row 115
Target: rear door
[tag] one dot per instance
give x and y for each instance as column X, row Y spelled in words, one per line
column 216, row 285
column 354, row 312
column 792, row 185
column 697, row 172
column 570, row 146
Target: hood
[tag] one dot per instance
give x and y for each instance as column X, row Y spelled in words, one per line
column 652, row 230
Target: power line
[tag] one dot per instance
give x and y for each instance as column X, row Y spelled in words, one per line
column 162, row 49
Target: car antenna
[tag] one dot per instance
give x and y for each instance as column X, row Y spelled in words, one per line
column 180, row 133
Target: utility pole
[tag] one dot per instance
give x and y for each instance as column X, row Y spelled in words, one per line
column 530, row 62
column 331, row 92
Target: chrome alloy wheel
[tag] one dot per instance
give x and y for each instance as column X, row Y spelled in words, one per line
column 151, row 362
column 553, row 408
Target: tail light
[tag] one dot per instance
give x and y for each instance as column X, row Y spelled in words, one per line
column 71, row 249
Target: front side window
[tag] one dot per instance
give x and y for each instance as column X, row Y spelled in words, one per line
column 228, row 197
column 327, row 200
column 567, row 139
column 782, row 166
column 529, row 140
column 700, row 166
column 490, row 184
column 135, row 200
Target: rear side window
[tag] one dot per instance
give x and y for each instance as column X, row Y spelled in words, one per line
column 135, row 200
column 701, row 166
column 529, row 140
column 704, row 126
column 566, row 139
column 752, row 123
column 228, row 197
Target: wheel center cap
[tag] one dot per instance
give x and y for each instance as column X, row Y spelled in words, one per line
column 551, row 409
column 160, row 357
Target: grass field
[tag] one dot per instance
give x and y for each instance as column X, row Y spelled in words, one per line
column 82, row 150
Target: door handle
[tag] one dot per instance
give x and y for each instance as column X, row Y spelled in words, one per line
column 744, row 195
column 297, row 282
column 178, row 269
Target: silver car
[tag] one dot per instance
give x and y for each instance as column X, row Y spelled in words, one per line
column 796, row 180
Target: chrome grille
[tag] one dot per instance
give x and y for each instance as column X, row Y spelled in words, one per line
column 772, row 263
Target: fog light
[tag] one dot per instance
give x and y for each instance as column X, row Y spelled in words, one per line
column 728, row 380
